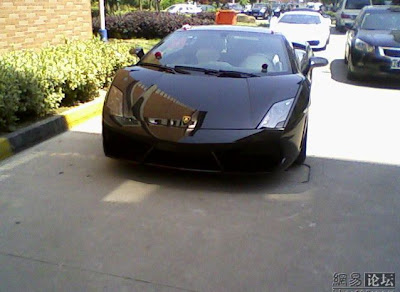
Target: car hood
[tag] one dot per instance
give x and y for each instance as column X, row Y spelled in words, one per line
column 219, row 102
column 382, row 38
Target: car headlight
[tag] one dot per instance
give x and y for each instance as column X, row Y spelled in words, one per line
column 277, row 115
column 115, row 101
column 363, row 46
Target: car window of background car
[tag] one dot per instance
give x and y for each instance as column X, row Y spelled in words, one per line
column 357, row 4
column 381, row 21
column 239, row 51
column 172, row 8
column 340, row 4
column 300, row 19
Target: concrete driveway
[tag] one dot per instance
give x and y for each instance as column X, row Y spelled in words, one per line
column 73, row 220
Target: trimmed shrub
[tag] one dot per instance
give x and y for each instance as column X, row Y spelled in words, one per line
column 146, row 24
column 35, row 83
column 245, row 18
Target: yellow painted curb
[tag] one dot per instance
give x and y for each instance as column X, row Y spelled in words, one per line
column 5, row 148
column 81, row 114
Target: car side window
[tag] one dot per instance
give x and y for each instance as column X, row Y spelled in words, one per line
column 358, row 19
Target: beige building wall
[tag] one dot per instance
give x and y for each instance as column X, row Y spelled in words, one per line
column 35, row 23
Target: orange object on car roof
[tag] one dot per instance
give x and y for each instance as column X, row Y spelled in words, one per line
column 226, row 17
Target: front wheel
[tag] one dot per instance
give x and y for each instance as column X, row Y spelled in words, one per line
column 110, row 144
column 350, row 72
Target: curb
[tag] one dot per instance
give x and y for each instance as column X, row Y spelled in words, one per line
column 24, row 138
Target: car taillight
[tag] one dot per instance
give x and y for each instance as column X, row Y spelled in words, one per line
column 344, row 15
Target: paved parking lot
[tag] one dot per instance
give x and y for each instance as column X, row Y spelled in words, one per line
column 73, row 220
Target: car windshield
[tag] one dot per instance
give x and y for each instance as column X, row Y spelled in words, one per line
column 381, row 21
column 357, row 4
column 246, row 52
column 300, row 19
column 260, row 5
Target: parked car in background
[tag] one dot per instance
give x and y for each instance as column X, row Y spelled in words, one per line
column 234, row 6
column 373, row 43
column 261, row 10
column 347, row 11
column 236, row 104
column 207, row 8
column 317, row 6
column 247, row 9
column 304, row 26
column 277, row 9
column 183, row 9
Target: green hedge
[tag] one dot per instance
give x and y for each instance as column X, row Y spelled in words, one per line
column 35, row 83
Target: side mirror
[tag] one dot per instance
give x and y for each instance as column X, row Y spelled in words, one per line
column 299, row 46
column 137, row 52
column 317, row 62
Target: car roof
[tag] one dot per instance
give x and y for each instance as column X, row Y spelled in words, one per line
column 231, row 28
column 388, row 8
column 182, row 4
column 303, row 12
column 305, row 9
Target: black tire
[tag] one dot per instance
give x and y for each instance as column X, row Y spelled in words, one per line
column 340, row 28
column 303, row 150
column 109, row 144
column 350, row 74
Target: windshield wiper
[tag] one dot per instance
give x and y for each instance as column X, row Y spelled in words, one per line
column 236, row 74
column 164, row 68
column 218, row 73
column 199, row 69
column 158, row 66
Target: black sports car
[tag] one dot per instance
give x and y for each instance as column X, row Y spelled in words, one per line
column 373, row 43
column 262, row 10
column 213, row 98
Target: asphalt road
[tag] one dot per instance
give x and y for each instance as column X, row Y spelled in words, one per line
column 73, row 220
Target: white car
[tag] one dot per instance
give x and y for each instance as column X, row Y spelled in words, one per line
column 183, row 9
column 347, row 11
column 304, row 26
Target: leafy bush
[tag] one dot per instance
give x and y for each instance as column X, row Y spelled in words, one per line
column 146, row 24
column 330, row 13
column 34, row 83
column 245, row 18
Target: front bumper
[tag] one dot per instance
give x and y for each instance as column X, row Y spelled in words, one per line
column 259, row 14
column 373, row 64
column 232, row 151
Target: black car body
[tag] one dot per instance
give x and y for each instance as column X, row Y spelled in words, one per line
column 234, row 6
column 191, row 117
column 261, row 10
column 373, row 43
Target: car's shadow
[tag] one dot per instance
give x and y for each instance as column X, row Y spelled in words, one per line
column 334, row 31
column 339, row 73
